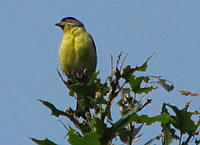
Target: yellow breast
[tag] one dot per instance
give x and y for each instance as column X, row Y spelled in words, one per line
column 77, row 51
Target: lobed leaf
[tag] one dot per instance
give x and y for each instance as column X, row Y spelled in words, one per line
column 43, row 142
column 163, row 119
column 54, row 110
column 183, row 121
column 91, row 138
column 163, row 83
column 135, row 83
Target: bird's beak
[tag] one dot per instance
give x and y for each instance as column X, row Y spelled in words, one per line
column 61, row 25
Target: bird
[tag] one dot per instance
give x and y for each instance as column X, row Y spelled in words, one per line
column 77, row 54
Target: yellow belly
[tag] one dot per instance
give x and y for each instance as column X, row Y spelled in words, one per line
column 77, row 52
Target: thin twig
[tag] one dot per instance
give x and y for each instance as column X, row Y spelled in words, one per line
column 63, row 125
column 189, row 137
column 119, row 57
column 180, row 139
column 111, row 65
column 146, row 103
column 66, row 83
column 76, row 123
column 123, row 62
column 121, row 87
column 131, row 129
column 112, row 95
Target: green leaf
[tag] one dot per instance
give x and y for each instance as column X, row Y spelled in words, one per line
column 70, row 115
column 83, row 90
column 145, row 90
column 43, row 142
column 135, row 83
column 144, row 66
column 94, row 76
column 98, row 126
column 91, row 94
column 91, row 138
column 169, row 134
column 183, row 121
column 127, row 72
column 54, row 110
column 163, row 83
column 85, row 128
column 163, row 119
column 124, row 134
column 133, row 109
column 93, row 102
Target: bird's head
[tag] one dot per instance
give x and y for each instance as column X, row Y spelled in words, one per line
column 69, row 22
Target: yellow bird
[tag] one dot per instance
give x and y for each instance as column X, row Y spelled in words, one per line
column 77, row 53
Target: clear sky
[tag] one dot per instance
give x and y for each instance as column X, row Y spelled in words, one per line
column 29, row 44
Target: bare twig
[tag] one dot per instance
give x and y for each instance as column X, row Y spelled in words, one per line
column 66, row 83
column 112, row 67
column 123, row 62
column 148, row 102
column 63, row 125
column 119, row 57
column 180, row 138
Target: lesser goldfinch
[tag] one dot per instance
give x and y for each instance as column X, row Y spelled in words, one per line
column 77, row 51
column 77, row 54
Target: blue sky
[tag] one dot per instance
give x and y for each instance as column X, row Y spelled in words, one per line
column 29, row 44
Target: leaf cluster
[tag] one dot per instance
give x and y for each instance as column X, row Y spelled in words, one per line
column 93, row 120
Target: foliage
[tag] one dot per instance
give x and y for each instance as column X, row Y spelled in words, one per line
column 93, row 120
